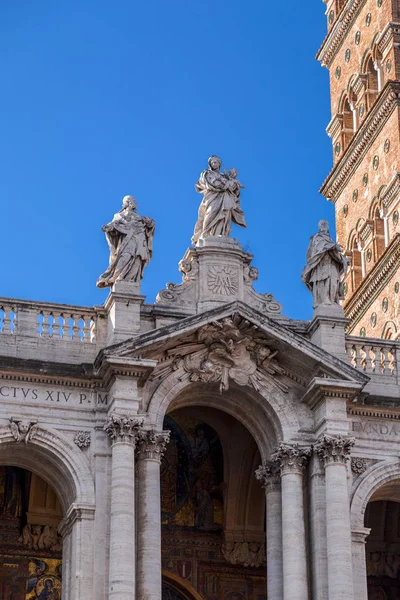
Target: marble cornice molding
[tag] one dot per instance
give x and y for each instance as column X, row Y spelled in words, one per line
column 334, row 449
column 291, row 458
column 76, row 512
column 373, row 412
column 384, row 106
column 323, row 388
column 123, row 428
column 152, row 444
column 269, row 475
column 71, row 382
column 112, row 367
column 391, row 191
column 335, row 38
column 376, row 280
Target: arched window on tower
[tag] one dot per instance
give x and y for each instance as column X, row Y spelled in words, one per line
column 348, row 123
column 371, row 83
column 379, row 233
column 356, row 266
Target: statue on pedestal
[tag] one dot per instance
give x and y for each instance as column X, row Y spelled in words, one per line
column 221, row 202
column 130, row 239
column 326, row 267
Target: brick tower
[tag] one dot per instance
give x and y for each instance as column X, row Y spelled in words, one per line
column 362, row 53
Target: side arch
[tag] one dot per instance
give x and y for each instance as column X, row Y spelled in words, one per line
column 61, row 464
column 373, row 479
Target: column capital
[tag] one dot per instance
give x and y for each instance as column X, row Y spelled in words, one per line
column 152, row 444
column 123, row 428
column 291, row 458
column 334, row 449
column 268, row 474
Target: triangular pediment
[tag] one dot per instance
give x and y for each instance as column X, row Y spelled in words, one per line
column 234, row 343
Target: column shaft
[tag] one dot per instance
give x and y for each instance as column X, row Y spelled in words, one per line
column 318, row 531
column 274, row 542
column 122, row 522
column 359, row 564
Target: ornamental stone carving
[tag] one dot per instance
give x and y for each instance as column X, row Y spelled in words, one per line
column 123, row 428
column 227, row 350
column 334, row 449
column 130, row 239
column 82, row 439
column 291, row 458
column 269, row 474
column 41, row 537
column 383, row 564
column 22, row 431
column 223, row 281
column 358, row 465
column 249, row 554
column 152, row 444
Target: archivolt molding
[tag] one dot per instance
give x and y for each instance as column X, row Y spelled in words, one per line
column 55, row 458
column 374, row 478
column 269, row 414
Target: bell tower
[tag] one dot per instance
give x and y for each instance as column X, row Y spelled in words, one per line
column 362, row 52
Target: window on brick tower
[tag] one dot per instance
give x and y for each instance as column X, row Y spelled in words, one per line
column 356, row 266
column 379, row 233
column 371, row 83
column 348, row 123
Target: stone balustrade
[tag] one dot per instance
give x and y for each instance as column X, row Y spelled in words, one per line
column 373, row 356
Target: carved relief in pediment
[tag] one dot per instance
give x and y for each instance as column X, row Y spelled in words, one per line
column 223, row 351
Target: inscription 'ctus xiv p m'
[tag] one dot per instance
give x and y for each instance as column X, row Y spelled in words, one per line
column 223, row 281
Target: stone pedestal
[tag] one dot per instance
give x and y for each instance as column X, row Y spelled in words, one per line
column 327, row 329
column 217, row 272
column 123, row 311
column 292, row 461
column 150, row 450
column 269, row 476
column 123, row 432
column 334, row 452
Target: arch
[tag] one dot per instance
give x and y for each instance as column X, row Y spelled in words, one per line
column 51, row 455
column 272, row 418
column 374, row 205
column 341, row 100
column 374, row 478
column 180, row 585
column 389, row 331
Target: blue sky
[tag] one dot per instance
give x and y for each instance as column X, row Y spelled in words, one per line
column 102, row 99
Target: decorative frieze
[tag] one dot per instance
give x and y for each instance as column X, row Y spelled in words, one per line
column 123, row 428
column 334, row 449
column 338, row 33
column 268, row 474
column 152, row 444
column 291, row 458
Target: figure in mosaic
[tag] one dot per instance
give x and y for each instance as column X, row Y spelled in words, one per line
column 220, row 206
column 130, row 239
column 326, row 267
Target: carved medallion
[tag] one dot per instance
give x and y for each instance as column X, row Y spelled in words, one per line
column 223, row 281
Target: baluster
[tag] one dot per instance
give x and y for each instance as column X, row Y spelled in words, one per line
column 67, row 327
column 372, row 359
column 2, row 315
column 383, row 360
column 363, row 358
column 45, row 324
column 7, row 319
column 86, row 337
column 57, row 329
column 93, row 329
column 392, row 360
column 75, row 327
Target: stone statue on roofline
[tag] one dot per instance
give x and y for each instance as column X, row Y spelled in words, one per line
column 221, row 202
column 325, row 269
column 130, row 239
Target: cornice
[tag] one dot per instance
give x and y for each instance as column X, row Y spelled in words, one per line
column 375, row 413
column 391, row 191
column 382, row 272
column 337, row 34
column 389, row 34
column 384, row 106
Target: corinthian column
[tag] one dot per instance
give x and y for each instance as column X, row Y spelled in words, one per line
column 270, row 478
column 335, row 452
column 150, row 451
column 292, row 461
column 123, row 430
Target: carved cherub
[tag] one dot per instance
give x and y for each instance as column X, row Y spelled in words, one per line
column 22, row 430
